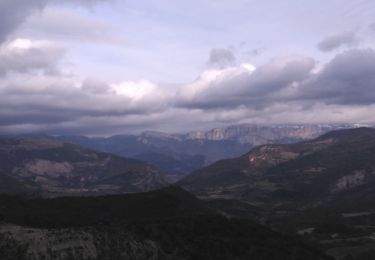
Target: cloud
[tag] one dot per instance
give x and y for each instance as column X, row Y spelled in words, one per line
column 63, row 25
column 221, row 58
column 254, row 52
column 142, row 92
column 95, row 86
column 14, row 12
column 338, row 40
column 348, row 79
column 24, row 56
column 244, row 85
column 52, row 100
column 284, row 90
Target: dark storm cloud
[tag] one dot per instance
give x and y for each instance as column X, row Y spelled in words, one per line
column 349, row 79
column 14, row 12
column 338, row 40
column 221, row 58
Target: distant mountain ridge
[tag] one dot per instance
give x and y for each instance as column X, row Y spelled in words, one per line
column 258, row 134
column 179, row 154
column 254, row 134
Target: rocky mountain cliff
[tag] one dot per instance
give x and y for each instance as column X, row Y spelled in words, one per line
column 38, row 164
column 258, row 135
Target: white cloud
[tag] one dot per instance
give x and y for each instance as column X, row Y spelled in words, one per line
column 135, row 90
column 214, row 80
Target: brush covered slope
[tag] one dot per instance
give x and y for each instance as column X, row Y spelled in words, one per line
column 164, row 224
column 337, row 165
column 37, row 164
column 322, row 190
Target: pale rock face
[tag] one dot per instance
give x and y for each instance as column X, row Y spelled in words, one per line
column 196, row 135
column 258, row 135
column 216, row 134
column 49, row 168
column 271, row 154
column 350, row 181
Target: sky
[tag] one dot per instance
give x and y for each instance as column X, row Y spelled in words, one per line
column 104, row 67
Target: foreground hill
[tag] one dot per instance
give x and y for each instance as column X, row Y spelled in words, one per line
column 37, row 164
column 310, row 173
column 323, row 190
column 165, row 224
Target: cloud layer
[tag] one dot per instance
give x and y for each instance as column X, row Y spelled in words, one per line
column 283, row 90
column 42, row 89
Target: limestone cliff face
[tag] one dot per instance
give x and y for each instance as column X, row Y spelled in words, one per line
column 258, row 135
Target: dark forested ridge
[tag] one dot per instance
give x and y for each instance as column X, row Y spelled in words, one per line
column 164, row 224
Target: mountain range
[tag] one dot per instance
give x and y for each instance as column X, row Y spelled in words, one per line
column 276, row 201
column 179, row 154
